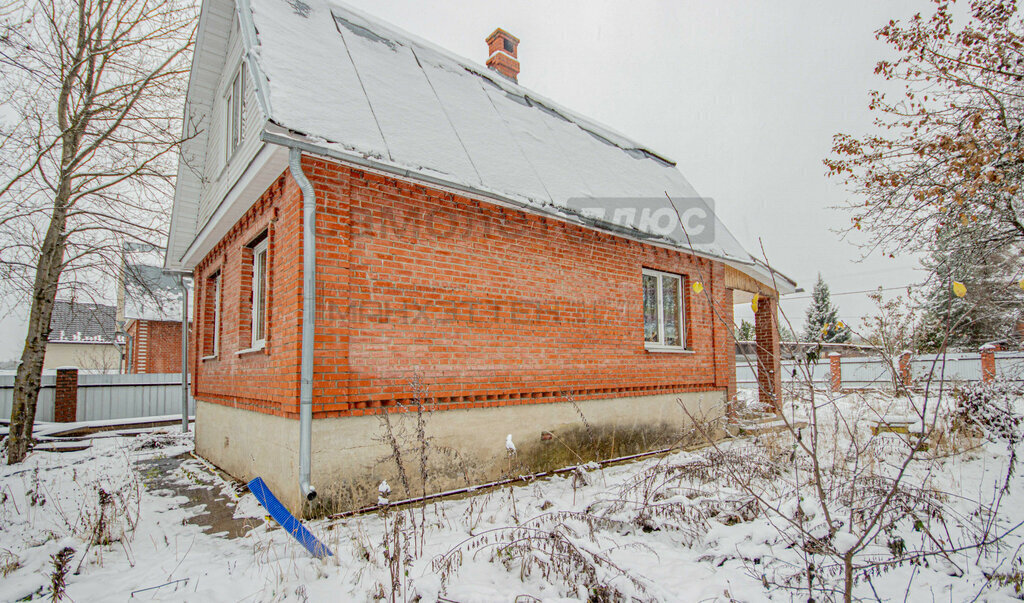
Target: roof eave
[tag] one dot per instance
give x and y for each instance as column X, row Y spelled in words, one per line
column 276, row 135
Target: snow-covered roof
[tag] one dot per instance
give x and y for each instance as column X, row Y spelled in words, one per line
column 75, row 322
column 353, row 87
column 149, row 292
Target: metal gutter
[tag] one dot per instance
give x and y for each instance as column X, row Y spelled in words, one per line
column 308, row 320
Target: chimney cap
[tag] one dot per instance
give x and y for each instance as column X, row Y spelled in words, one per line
column 499, row 32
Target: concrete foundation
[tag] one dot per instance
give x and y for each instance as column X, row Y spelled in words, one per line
column 351, row 455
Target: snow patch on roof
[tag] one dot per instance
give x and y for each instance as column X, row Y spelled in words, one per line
column 349, row 83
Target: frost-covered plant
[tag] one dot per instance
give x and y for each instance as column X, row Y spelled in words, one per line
column 561, row 547
column 58, row 577
column 9, row 562
column 988, row 409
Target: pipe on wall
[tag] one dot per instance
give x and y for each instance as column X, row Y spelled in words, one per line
column 308, row 320
column 184, row 354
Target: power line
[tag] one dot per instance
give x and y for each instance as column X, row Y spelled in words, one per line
column 788, row 298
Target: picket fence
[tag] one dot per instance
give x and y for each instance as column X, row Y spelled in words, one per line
column 106, row 397
column 874, row 372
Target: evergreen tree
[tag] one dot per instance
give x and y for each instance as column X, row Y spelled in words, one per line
column 745, row 332
column 992, row 306
column 822, row 322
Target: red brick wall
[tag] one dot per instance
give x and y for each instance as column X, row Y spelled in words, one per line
column 486, row 305
column 266, row 380
column 156, row 346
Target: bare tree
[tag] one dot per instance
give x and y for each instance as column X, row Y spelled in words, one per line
column 947, row 149
column 93, row 92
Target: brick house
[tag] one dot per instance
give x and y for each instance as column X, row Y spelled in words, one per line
column 148, row 313
column 418, row 220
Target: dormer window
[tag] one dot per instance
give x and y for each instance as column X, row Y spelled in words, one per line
column 234, row 113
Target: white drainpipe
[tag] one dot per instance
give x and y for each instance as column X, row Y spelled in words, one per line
column 308, row 320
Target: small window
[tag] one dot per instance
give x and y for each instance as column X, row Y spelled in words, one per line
column 510, row 47
column 234, row 113
column 259, row 294
column 211, row 317
column 663, row 310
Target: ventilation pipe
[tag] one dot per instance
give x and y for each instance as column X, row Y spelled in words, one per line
column 308, row 320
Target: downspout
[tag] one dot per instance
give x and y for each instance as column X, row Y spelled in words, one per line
column 308, row 320
column 184, row 355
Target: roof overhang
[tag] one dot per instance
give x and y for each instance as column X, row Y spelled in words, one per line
column 275, row 135
column 266, row 167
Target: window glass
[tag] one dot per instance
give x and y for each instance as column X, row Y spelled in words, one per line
column 671, row 310
column 651, row 333
column 259, row 277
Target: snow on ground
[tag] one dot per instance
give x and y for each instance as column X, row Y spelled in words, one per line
column 147, row 520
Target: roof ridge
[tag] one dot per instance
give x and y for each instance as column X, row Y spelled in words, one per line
column 588, row 124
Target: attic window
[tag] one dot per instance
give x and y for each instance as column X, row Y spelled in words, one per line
column 234, row 112
column 509, row 47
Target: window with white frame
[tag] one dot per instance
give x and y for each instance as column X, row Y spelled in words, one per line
column 234, row 112
column 664, row 324
column 259, row 294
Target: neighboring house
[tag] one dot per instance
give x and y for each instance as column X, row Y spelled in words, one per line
column 149, row 312
column 82, row 335
column 460, row 246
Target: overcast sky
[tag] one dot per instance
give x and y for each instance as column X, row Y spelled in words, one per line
column 745, row 96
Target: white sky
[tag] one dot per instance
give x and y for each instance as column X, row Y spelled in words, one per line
column 745, row 96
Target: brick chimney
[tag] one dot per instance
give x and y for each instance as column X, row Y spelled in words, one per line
column 502, row 53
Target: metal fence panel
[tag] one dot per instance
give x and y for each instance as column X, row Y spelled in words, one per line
column 44, row 407
column 746, row 373
column 102, row 397
column 861, row 373
column 948, row 367
column 1010, row 365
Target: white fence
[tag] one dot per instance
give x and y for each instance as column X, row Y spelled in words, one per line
column 860, row 373
column 103, row 397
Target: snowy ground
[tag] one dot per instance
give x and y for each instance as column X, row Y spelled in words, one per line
column 676, row 528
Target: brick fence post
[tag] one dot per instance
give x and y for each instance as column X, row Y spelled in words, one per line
column 836, row 370
column 988, row 362
column 905, row 368
column 65, row 401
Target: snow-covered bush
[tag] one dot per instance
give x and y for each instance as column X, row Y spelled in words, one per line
column 989, row 409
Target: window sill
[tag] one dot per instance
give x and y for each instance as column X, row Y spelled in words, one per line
column 258, row 348
column 662, row 349
column 206, row 358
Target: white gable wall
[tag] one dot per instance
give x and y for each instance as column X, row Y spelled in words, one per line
column 224, row 172
column 203, row 176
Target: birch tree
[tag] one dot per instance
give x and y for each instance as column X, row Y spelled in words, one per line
column 93, row 95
